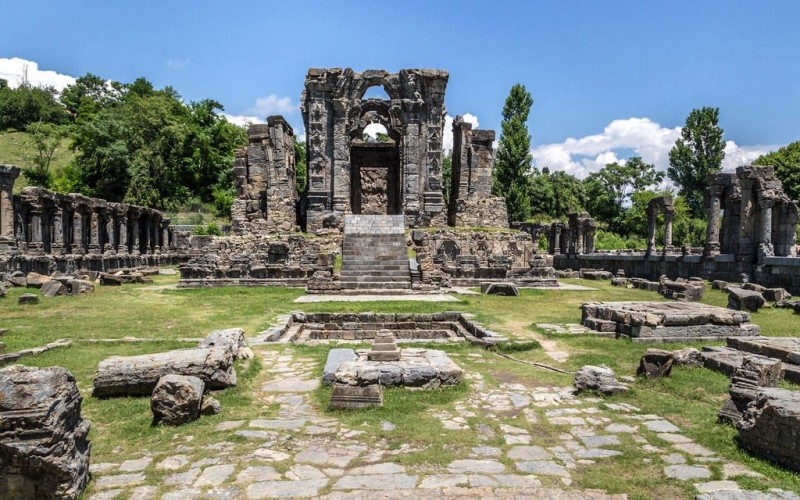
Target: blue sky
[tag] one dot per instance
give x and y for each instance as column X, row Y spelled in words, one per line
column 609, row 78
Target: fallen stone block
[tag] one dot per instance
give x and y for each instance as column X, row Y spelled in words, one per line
column 741, row 299
column 53, row 288
column 776, row 294
column 346, row 396
column 110, row 280
column 655, row 363
column 335, row 359
column 770, row 426
column 176, row 400
column 44, row 450
column 138, row 375
column 600, row 379
column 36, row 280
column 28, row 298
column 688, row 357
column 80, row 287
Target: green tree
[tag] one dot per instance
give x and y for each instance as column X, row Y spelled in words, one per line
column 513, row 162
column 447, row 175
column 609, row 190
column 696, row 154
column 27, row 104
column 300, row 166
column 89, row 94
column 786, row 161
column 555, row 195
column 45, row 138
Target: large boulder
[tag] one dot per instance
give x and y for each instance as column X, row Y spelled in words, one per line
column 600, row 379
column 655, row 363
column 44, row 452
column 744, row 300
column 176, row 399
column 36, row 280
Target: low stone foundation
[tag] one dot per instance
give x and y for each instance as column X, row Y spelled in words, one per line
column 315, row 328
column 666, row 321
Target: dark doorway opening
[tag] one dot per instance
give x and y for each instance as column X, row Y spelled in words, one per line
column 375, row 178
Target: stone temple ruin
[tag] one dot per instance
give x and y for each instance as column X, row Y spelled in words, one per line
column 362, row 196
column 751, row 233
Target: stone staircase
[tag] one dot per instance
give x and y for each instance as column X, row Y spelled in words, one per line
column 374, row 253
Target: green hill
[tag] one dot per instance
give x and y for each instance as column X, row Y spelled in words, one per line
column 16, row 148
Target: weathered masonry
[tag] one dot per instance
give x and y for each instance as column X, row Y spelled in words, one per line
column 751, row 231
column 335, row 114
column 42, row 231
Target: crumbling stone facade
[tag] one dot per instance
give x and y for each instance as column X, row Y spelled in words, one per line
column 471, row 202
column 264, row 177
column 751, row 236
column 758, row 219
column 335, row 114
column 466, row 257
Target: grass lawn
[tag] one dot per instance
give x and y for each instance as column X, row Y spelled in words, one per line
column 689, row 398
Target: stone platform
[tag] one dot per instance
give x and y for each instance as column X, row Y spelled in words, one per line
column 666, row 321
column 425, row 368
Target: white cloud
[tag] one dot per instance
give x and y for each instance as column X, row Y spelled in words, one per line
column 14, row 70
column 644, row 137
column 447, row 140
column 178, row 63
column 273, row 105
column 242, row 120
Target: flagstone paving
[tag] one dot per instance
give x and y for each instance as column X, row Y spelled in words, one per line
column 300, row 452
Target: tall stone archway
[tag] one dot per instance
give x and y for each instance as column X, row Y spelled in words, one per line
column 335, row 113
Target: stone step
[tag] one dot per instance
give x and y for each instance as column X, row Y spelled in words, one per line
column 376, row 279
column 377, row 267
column 376, row 286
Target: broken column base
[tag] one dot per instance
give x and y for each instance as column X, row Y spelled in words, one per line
column 346, row 397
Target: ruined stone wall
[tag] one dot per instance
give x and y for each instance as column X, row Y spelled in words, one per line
column 261, row 260
column 264, row 178
column 471, row 202
column 464, row 257
column 44, row 231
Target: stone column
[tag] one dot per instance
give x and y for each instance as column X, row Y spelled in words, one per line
column 765, row 248
column 712, row 230
column 590, row 239
column 557, row 239
column 164, row 242
column 651, row 230
column 8, row 175
column 94, row 231
column 57, row 243
column 110, row 244
column 78, row 232
column 122, row 242
column 668, row 216
column 135, row 234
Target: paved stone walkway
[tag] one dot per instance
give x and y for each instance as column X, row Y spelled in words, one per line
column 301, row 453
column 412, row 297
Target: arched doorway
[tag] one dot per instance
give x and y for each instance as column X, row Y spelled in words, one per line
column 375, row 186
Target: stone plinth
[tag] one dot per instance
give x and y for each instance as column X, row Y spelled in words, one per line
column 425, row 368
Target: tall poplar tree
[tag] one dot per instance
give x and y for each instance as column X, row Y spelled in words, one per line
column 512, row 164
column 698, row 153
